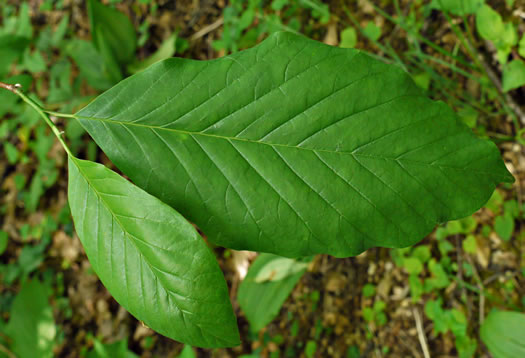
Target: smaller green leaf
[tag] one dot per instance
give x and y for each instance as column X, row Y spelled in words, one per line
column 24, row 27
column 511, row 207
column 439, row 277
column 348, row 38
column 187, row 352
column 32, row 327
column 435, row 312
column 369, row 290
column 90, row 63
column 504, row 334
column 311, row 348
column 413, row 265
column 422, row 80
column 12, row 48
column 514, row 75
column 466, row 346
column 510, row 36
column 279, row 269
column 10, row 152
column 117, row 349
column 166, row 50
column 33, row 62
column 504, row 226
column 4, row 238
column 60, row 32
column 469, row 244
column 112, row 31
column 279, row 4
column 489, row 23
column 521, row 49
column 422, row 252
column 372, row 31
column 416, row 287
column 150, row 258
column 261, row 301
column 495, row 202
column 368, row 314
column 457, row 7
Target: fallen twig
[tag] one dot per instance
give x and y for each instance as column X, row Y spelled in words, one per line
column 421, row 333
column 207, row 29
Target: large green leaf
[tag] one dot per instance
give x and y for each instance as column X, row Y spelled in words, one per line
column 261, row 300
column 32, row 327
column 296, row 148
column 150, row 258
column 504, row 334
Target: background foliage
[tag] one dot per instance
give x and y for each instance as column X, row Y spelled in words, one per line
column 391, row 303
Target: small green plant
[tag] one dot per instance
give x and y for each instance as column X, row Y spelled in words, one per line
column 504, row 333
column 329, row 151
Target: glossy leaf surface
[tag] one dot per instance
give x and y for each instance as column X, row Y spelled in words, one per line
column 296, row 148
column 150, row 258
column 504, row 334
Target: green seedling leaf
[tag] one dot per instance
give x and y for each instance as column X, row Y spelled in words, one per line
column 60, row 32
column 245, row 147
column 279, row 269
column 369, row 290
column 113, row 33
column 413, row 265
column 33, row 62
column 495, row 202
column 504, row 334
column 150, row 258
column 372, row 31
column 261, row 301
column 90, row 63
column 279, row 4
column 435, row 312
column 511, row 207
column 489, row 24
column 521, row 49
column 12, row 48
column 117, row 349
column 31, row 326
column 466, row 346
column 4, row 239
column 504, row 226
column 514, row 75
column 457, row 7
column 469, row 244
column 416, row 287
column 348, row 38
column 422, row 253
column 166, row 50
column 439, row 277
column 422, row 80
column 187, row 352
column 10, row 152
column 310, row 349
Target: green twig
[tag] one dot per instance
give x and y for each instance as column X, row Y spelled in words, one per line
column 16, row 90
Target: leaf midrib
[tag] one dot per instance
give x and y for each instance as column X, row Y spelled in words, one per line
column 245, row 140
